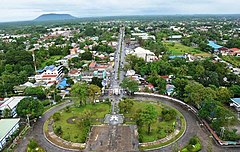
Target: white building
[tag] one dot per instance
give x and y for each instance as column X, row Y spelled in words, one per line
column 147, row 55
column 7, row 128
column 10, row 103
column 236, row 104
column 49, row 74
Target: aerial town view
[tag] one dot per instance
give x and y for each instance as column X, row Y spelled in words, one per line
column 119, row 76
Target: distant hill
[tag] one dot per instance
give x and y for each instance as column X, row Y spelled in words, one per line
column 55, row 17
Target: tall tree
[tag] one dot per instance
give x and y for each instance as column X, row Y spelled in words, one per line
column 29, row 106
column 126, row 105
column 130, row 85
column 79, row 90
column 94, row 91
column 147, row 116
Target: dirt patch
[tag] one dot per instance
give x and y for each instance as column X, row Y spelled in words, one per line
column 72, row 120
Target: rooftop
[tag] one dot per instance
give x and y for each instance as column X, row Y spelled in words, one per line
column 50, row 68
column 11, row 102
column 214, row 45
column 236, row 100
column 6, row 125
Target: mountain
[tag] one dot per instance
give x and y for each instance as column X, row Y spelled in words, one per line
column 55, row 17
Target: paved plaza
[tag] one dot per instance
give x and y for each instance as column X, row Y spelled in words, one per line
column 110, row 138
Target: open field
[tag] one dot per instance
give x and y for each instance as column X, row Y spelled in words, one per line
column 180, row 49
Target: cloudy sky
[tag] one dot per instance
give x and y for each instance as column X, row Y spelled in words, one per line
column 18, row 10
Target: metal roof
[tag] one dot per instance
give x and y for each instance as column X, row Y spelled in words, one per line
column 6, row 125
column 214, row 45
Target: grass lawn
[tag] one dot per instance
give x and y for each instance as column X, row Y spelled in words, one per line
column 180, row 49
column 72, row 132
column 233, row 60
column 195, row 148
column 51, row 60
column 159, row 129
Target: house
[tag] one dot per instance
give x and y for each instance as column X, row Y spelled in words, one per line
column 20, row 89
column 236, row 104
column 10, row 103
column 50, row 74
column 234, row 51
column 217, row 48
column 74, row 73
column 7, row 128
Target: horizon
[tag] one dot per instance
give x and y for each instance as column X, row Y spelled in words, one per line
column 90, row 17
column 25, row 10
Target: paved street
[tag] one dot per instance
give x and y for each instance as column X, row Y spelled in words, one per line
column 36, row 132
column 193, row 128
column 115, row 137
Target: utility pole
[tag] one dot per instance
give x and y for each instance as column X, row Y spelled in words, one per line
column 34, row 61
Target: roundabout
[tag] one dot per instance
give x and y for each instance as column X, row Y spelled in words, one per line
column 121, row 128
column 192, row 128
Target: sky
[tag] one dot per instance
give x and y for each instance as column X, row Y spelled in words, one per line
column 21, row 10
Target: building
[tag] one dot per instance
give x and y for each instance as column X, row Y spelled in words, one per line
column 20, row 89
column 175, row 38
column 10, row 103
column 217, row 48
column 236, row 104
column 7, row 128
column 50, row 74
column 147, row 55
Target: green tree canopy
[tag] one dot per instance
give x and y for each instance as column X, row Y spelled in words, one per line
column 79, row 90
column 129, row 85
column 30, row 106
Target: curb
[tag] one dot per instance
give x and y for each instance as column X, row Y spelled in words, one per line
column 46, row 136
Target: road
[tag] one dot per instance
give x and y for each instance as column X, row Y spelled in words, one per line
column 117, row 76
column 193, row 128
column 36, row 132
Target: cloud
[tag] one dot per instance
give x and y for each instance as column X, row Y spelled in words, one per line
column 29, row 9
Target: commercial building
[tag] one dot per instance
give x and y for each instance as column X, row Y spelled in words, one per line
column 7, row 128
column 50, row 74
column 147, row 55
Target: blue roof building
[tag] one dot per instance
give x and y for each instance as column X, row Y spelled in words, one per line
column 176, row 56
column 214, row 45
column 63, row 84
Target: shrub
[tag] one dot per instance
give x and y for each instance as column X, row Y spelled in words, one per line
column 67, row 109
column 56, row 116
column 58, row 130
column 46, row 103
